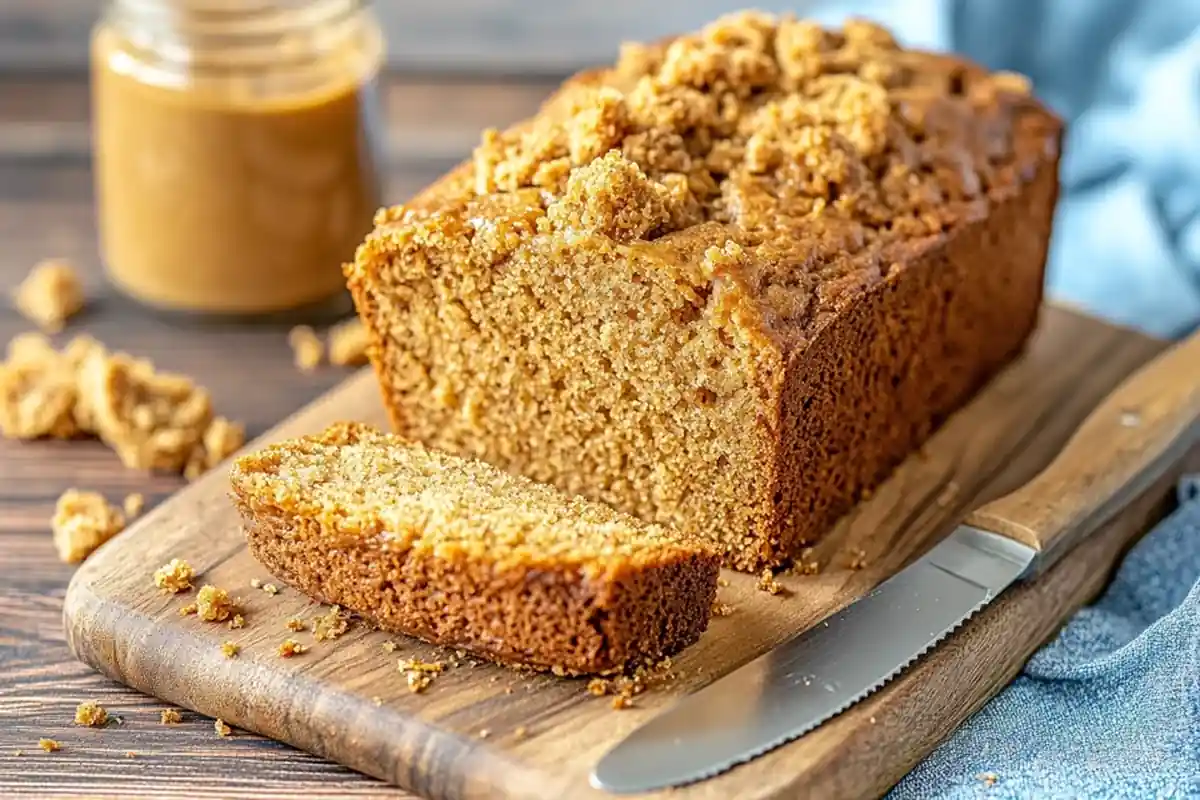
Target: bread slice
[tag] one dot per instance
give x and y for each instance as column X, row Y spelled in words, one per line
column 459, row 553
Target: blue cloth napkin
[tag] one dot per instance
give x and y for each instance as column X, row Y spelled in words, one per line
column 1111, row 708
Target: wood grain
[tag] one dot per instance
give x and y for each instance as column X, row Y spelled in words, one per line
column 348, row 702
column 1127, row 443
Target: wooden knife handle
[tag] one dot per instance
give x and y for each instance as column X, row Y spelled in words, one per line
column 1128, row 442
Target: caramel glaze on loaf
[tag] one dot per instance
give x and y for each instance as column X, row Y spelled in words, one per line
column 459, row 553
column 727, row 284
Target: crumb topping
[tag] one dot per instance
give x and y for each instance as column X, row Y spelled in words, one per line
column 767, row 582
column 816, row 150
column 82, row 522
column 291, row 647
column 153, row 420
column 331, row 624
column 170, row 716
column 49, row 745
column 92, row 715
column 49, row 295
column 175, row 576
column 133, row 504
column 213, row 604
column 307, row 349
column 238, row 621
column 230, row 649
column 221, row 728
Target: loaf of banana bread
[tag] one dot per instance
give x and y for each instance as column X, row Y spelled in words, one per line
column 727, row 284
column 460, row 553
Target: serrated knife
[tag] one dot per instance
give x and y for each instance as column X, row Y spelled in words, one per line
column 1129, row 442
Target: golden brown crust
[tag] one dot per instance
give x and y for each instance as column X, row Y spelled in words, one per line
column 623, row 595
column 725, row 285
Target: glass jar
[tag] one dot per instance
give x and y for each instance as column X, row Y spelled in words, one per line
column 237, row 150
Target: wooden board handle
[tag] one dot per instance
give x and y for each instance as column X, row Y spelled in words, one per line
column 1126, row 444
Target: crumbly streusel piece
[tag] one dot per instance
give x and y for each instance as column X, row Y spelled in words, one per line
column 307, row 349
column 174, row 576
column 49, row 295
column 213, row 604
column 91, row 714
column 348, row 343
column 82, row 522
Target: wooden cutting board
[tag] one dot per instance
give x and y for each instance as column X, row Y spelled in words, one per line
column 484, row 731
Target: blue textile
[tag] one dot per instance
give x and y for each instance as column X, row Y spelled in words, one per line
column 1111, row 708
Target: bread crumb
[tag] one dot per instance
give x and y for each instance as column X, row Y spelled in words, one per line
column 389, row 647
column 768, row 584
column 858, row 558
column 722, row 582
column 330, row 625
column 270, row 589
column 377, row 700
column 806, row 564
column 419, row 681
column 221, row 728
column 621, row 702
column 133, row 504
column 291, row 647
column 641, row 679
column 169, row 716
column 213, row 604
column 50, row 294
column 484, row 733
column 82, row 522
column 255, row 583
column 348, row 343
column 175, row 576
column 238, row 621
column 307, row 349
column 420, row 674
column 188, row 610
column 130, row 754
column 720, row 609
column 49, row 745
column 91, row 715
column 18, row 753
column 230, row 649
column 519, row 732
column 296, row 625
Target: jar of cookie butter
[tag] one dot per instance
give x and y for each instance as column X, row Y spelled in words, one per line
column 237, row 150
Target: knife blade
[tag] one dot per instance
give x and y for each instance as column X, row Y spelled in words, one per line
column 1130, row 441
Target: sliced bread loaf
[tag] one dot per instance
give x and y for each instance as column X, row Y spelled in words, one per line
column 460, row 553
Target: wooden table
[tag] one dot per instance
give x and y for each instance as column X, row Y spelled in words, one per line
column 46, row 210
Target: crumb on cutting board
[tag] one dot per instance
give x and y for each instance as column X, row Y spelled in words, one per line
column 175, row 576
column 49, row 745
column 221, row 728
column 213, row 604
column 91, row 714
column 170, row 716
column 291, row 647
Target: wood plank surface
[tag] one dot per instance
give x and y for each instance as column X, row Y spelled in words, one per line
column 46, row 210
column 486, row 731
